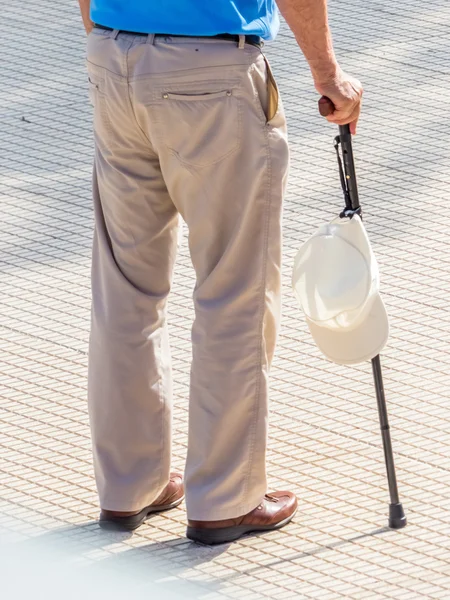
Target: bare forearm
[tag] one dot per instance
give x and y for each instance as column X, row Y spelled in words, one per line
column 308, row 20
column 85, row 10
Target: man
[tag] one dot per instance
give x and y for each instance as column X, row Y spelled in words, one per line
column 188, row 121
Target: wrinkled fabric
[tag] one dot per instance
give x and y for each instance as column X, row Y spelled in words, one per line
column 181, row 129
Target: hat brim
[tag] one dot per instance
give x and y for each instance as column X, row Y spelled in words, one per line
column 350, row 347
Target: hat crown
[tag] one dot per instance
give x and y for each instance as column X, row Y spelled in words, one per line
column 336, row 275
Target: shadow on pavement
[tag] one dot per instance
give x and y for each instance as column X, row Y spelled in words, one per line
column 85, row 561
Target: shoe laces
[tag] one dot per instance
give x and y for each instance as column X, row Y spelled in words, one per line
column 271, row 498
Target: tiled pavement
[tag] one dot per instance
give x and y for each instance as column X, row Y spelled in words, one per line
column 325, row 442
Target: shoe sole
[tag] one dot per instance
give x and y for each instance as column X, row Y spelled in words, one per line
column 211, row 537
column 133, row 522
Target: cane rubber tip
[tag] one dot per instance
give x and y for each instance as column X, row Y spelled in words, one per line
column 397, row 517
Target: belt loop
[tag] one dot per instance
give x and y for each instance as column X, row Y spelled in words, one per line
column 150, row 39
column 241, row 42
column 115, row 33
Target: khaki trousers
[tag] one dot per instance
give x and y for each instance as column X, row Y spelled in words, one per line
column 182, row 127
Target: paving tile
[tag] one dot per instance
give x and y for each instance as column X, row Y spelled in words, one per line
column 325, row 443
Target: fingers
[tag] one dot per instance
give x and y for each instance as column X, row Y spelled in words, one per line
column 342, row 116
column 350, row 116
column 341, row 100
column 354, row 119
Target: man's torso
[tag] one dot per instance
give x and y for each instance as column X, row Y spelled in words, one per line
column 189, row 17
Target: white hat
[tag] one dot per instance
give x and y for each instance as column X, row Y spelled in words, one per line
column 336, row 281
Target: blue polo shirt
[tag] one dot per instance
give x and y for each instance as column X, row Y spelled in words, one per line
column 189, row 17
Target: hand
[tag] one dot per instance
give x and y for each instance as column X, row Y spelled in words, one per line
column 89, row 26
column 85, row 10
column 345, row 93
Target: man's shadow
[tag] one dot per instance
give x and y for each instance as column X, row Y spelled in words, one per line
column 84, row 559
column 152, row 569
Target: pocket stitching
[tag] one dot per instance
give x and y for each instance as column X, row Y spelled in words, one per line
column 98, row 100
column 196, row 97
column 234, row 149
column 93, row 89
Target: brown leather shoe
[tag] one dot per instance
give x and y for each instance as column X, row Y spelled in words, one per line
column 172, row 496
column 274, row 512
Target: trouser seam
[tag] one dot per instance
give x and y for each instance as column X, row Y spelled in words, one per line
column 161, row 393
column 163, row 411
column 257, row 404
column 133, row 114
column 158, row 353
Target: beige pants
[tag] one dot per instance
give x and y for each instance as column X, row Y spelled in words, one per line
column 181, row 127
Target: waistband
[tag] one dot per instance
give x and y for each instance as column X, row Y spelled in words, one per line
column 254, row 40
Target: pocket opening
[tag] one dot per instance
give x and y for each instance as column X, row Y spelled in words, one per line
column 194, row 97
column 273, row 97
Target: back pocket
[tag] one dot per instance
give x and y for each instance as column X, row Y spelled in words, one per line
column 201, row 129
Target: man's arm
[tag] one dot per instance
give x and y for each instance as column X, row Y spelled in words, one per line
column 85, row 11
column 308, row 20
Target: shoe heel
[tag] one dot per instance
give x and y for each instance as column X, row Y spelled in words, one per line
column 211, row 537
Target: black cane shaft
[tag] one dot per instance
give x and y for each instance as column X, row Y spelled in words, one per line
column 397, row 518
column 326, row 107
column 349, row 164
column 385, row 432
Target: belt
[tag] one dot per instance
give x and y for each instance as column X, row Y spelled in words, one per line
column 254, row 40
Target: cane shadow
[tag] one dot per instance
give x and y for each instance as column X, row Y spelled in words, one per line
column 295, row 558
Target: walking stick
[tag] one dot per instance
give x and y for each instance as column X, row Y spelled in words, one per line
column 397, row 518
